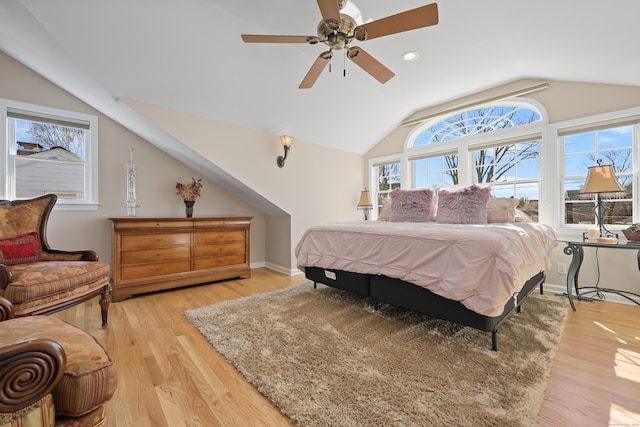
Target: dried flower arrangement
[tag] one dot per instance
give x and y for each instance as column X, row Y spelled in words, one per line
column 188, row 191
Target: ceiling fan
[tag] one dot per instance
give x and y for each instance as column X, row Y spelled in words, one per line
column 337, row 30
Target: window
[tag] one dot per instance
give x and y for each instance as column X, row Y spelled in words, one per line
column 512, row 170
column 497, row 145
column 388, row 179
column 611, row 144
column 49, row 151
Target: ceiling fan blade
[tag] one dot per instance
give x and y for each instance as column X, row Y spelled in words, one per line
column 329, row 9
column 370, row 64
column 410, row 20
column 315, row 70
column 256, row 38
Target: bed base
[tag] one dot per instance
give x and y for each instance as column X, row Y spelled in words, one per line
column 412, row 297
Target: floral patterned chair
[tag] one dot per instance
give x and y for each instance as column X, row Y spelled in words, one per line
column 51, row 373
column 37, row 279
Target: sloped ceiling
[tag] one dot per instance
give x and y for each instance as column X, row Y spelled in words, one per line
column 188, row 55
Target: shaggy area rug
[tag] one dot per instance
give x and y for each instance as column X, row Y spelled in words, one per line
column 325, row 357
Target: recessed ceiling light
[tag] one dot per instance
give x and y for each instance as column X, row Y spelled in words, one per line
column 410, row 56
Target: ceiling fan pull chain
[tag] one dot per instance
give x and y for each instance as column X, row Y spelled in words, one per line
column 344, row 64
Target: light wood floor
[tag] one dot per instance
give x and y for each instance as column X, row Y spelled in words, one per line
column 168, row 374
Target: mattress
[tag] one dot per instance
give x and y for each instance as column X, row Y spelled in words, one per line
column 482, row 266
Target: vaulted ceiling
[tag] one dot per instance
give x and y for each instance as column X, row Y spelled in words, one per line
column 188, row 55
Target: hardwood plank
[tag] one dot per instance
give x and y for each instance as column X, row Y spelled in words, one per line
column 169, row 375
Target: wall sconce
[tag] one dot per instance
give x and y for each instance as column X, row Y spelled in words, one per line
column 286, row 143
column 601, row 179
column 364, row 204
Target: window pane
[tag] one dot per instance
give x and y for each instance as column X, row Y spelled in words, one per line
column 479, row 120
column 577, row 164
column 33, row 136
column 608, row 146
column 49, row 158
column 435, row 171
column 580, row 143
column 615, row 138
column 36, row 177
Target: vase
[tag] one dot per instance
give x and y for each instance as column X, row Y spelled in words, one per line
column 189, row 205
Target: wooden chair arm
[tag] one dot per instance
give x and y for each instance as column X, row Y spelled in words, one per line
column 61, row 254
column 29, row 370
column 6, row 309
column 5, row 276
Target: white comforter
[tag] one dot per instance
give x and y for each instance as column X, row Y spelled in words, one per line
column 481, row 266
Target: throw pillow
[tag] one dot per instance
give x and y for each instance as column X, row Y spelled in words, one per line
column 20, row 250
column 385, row 212
column 410, row 205
column 502, row 209
column 466, row 205
column 522, row 217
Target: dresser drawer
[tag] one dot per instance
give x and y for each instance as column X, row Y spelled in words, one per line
column 221, row 236
column 218, row 261
column 155, row 255
column 219, row 249
column 149, row 241
column 154, row 269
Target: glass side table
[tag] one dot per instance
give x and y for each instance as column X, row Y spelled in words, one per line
column 576, row 249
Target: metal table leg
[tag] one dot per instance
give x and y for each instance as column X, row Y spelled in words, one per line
column 577, row 255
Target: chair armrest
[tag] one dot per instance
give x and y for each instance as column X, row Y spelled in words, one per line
column 51, row 254
column 29, row 370
column 5, row 276
column 6, row 309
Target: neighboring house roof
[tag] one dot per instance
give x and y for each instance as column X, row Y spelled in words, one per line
column 57, row 153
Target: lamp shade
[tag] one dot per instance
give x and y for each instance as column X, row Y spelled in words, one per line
column 365, row 201
column 601, row 179
column 286, row 140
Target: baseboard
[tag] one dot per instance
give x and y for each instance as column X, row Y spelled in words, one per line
column 562, row 289
column 283, row 270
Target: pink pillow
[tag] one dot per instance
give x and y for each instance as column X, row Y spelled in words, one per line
column 466, row 205
column 522, row 217
column 20, row 250
column 410, row 205
column 502, row 209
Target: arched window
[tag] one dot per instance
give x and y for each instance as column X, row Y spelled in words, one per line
column 476, row 121
column 497, row 145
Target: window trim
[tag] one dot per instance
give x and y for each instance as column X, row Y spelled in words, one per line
column 556, row 132
column 7, row 189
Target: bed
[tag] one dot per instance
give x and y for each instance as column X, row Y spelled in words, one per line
column 471, row 274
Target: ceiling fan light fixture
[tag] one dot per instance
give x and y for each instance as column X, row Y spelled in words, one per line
column 412, row 55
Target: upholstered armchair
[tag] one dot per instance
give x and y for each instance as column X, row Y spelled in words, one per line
column 51, row 373
column 38, row 279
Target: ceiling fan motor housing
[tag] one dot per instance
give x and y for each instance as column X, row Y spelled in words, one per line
column 337, row 35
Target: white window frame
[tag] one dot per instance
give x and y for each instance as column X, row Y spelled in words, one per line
column 551, row 162
column 7, row 189
column 373, row 178
column 556, row 181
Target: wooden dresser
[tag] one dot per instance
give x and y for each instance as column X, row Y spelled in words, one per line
column 152, row 254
